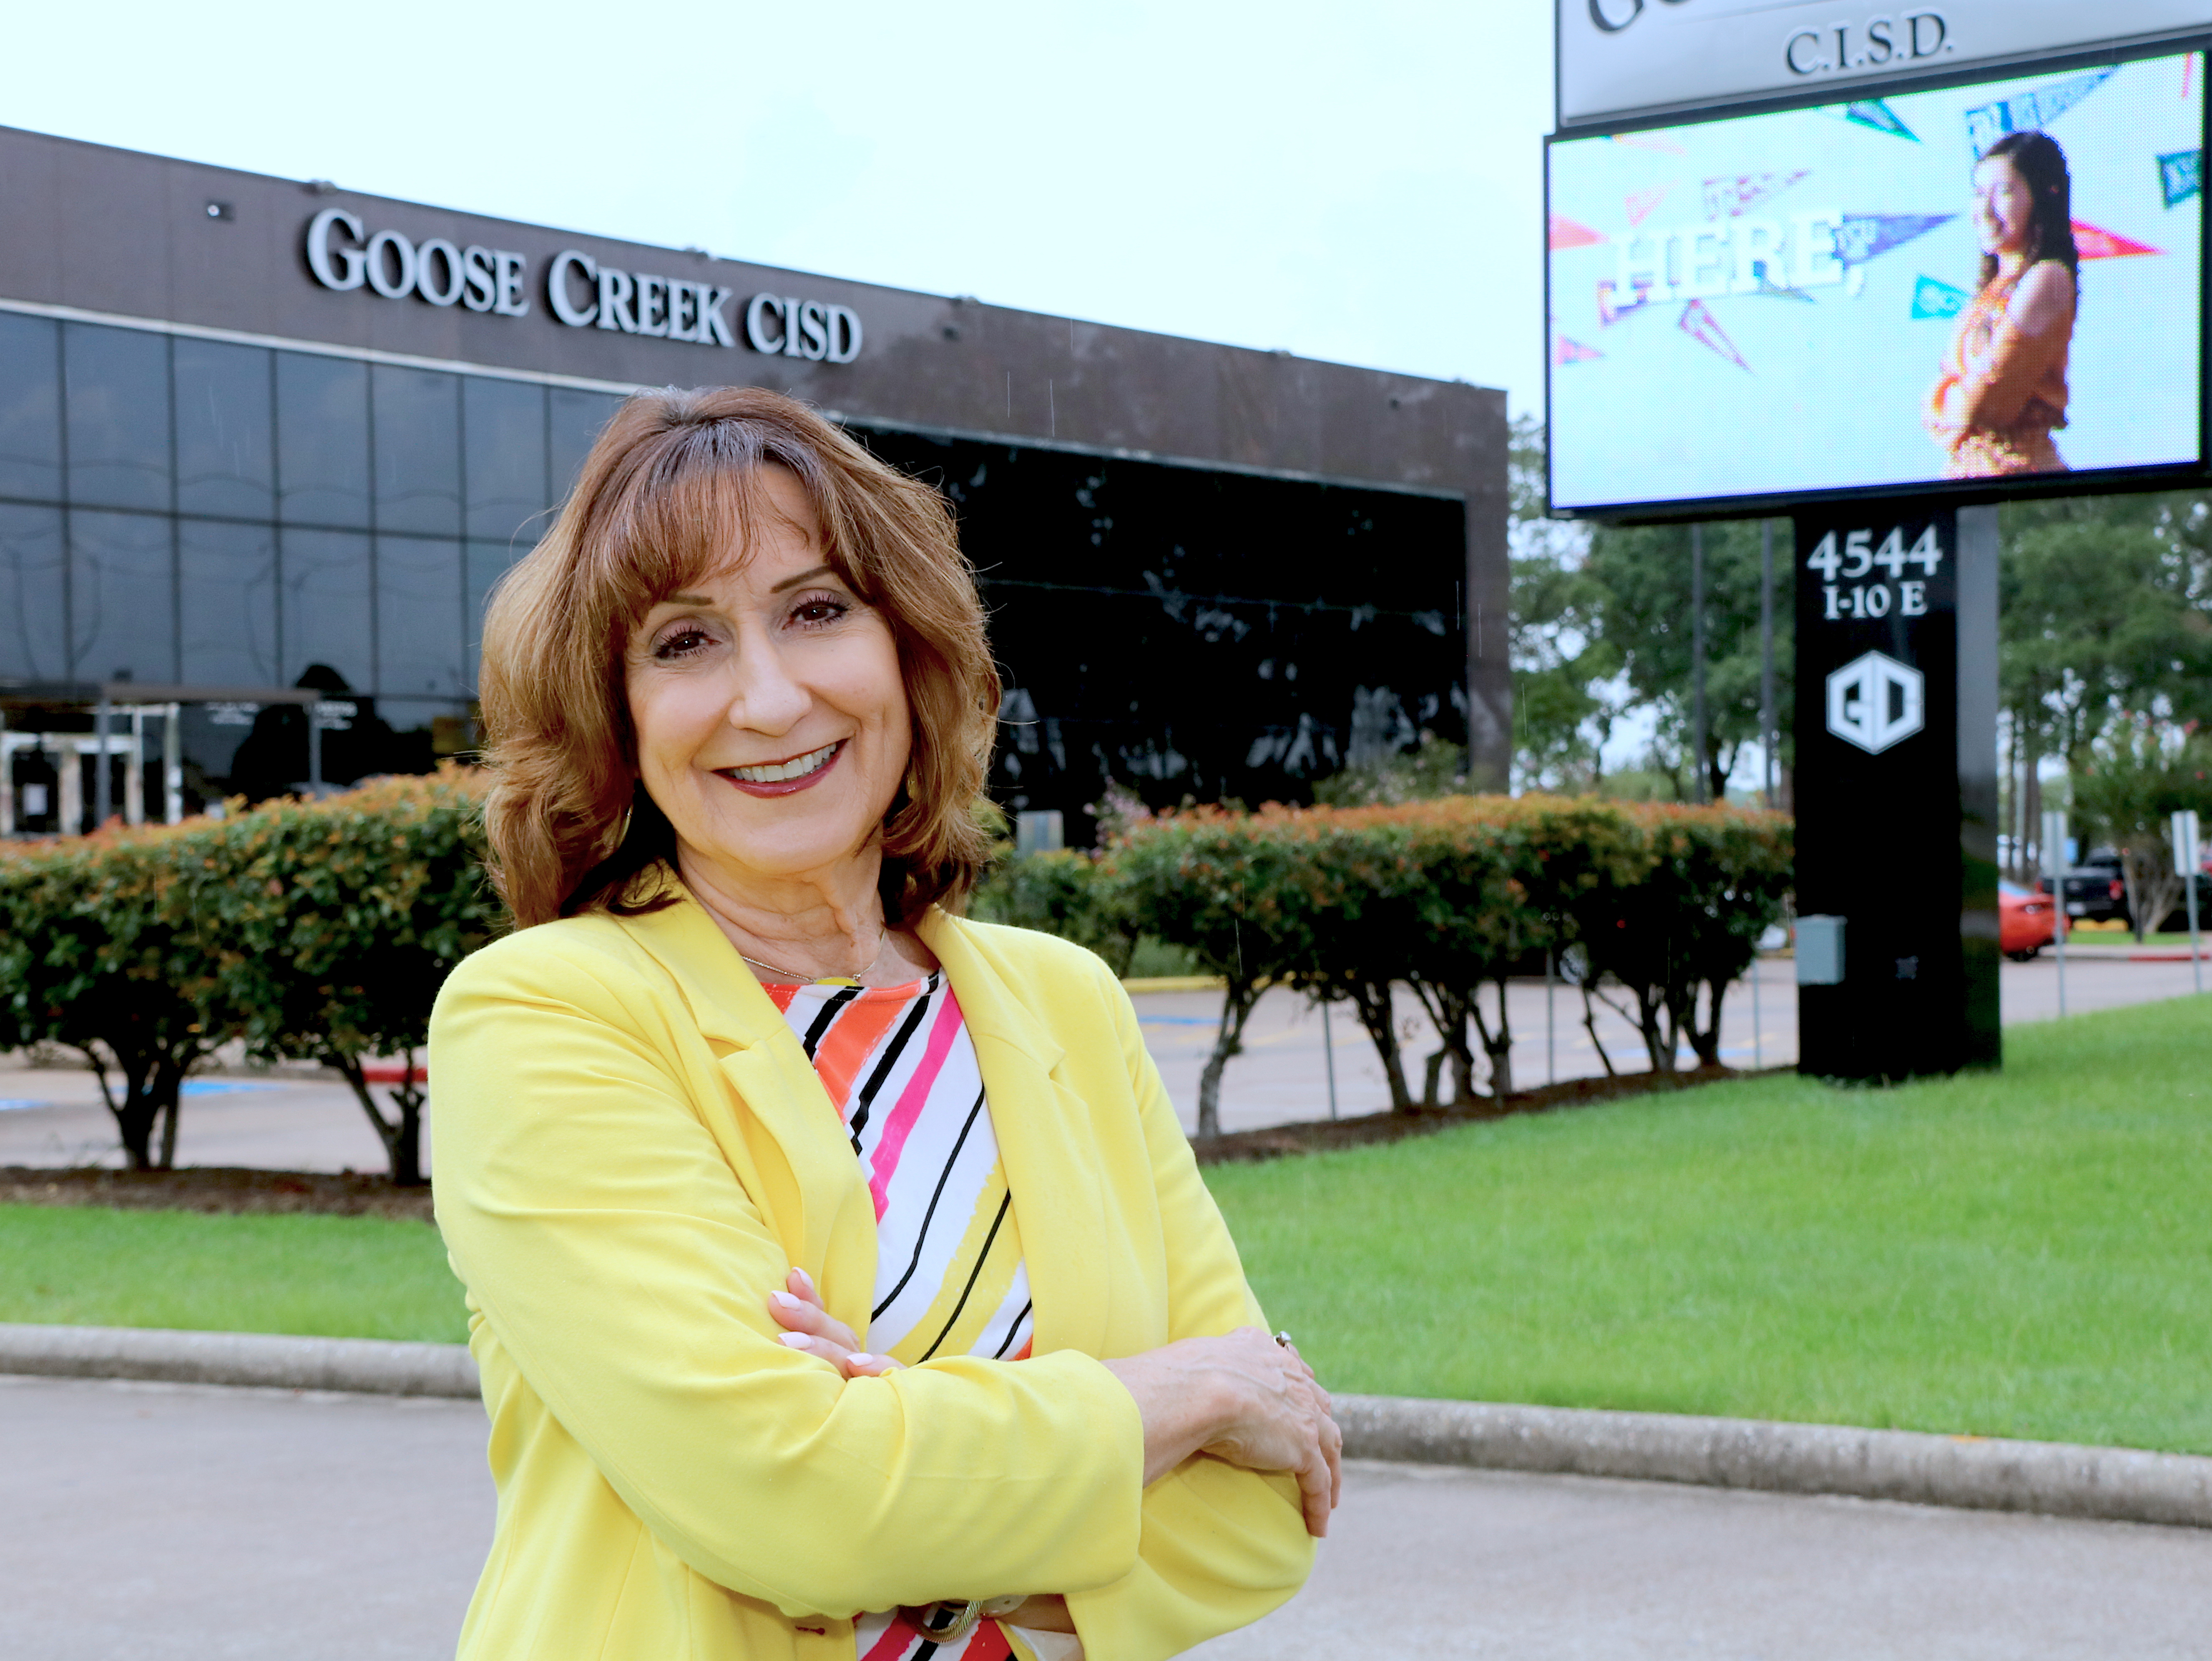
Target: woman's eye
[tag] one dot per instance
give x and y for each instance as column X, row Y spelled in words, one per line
column 819, row 610
column 683, row 643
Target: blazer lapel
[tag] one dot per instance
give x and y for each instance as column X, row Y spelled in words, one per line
column 814, row 1196
column 1042, row 1129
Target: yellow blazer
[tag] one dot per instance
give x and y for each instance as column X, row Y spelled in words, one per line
column 633, row 1151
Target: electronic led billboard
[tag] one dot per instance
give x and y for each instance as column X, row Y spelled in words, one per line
column 1999, row 279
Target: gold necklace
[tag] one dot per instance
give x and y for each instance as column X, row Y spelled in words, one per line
column 808, row 980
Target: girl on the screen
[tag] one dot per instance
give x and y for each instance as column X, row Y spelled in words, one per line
column 2004, row 385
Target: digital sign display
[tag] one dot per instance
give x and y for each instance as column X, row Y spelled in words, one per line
column 2002, row 279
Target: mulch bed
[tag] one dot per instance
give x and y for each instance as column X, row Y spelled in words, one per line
column 224, row 1189
column 1324, row 1136
column 234, row 1190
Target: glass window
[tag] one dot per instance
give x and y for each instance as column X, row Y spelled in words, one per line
column 573, row 421
column 487, row 562
column 322, row 444
column 122, row 617
column 418, row 618
column 118, row 415
column 504, row 421
column 34, row 594
column 326, row 617
column 226, row 460
column 418, row 450
column 227, row 588
column 30, row 408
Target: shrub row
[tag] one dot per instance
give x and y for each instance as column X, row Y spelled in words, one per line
column 1655, row 909
column 311, row 931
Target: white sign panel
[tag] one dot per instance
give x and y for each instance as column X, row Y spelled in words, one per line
column 1621, row 55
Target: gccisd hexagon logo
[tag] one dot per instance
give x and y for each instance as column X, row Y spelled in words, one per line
column 1875, row 701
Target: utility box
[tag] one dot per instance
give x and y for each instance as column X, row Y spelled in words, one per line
column 1820, row 951
column 1040, row 832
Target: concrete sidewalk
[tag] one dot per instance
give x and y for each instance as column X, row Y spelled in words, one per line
column 160, row 1522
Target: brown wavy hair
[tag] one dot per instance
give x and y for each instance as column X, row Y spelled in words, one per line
column 669, row 492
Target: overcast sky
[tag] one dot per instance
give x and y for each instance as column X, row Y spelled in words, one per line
column 1359, row 183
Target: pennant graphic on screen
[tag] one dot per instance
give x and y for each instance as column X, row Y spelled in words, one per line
column 1702, row 326
column 2095, row 244
column 1872, row 112
column 1863, row 235
column 1609, row 313
column 1641, row 202
column 1934, row 299
column 2181, row 175
column 2030, row 111
column 1573, row 351
column 1565, row 233
column 1772, row 290
column 1727, row 197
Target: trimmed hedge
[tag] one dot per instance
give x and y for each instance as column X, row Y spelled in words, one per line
column 318, row 931
column 1659, row 907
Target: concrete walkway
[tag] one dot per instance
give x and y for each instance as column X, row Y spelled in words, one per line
column 158, row 1522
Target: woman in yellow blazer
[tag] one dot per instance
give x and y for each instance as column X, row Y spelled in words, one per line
column 738, row 702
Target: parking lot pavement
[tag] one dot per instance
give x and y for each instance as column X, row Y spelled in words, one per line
column 1428, row 1562
column 55, row 1118
column 179, row 1523
column 158, row 1522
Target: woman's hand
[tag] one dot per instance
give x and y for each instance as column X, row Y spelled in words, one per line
column 808, row 1326
column 1243, row 1398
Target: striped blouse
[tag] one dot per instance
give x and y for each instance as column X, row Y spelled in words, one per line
column 901, row 1067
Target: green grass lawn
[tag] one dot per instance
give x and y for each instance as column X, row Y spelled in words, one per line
column 362, row 1277
column 2028, row 1254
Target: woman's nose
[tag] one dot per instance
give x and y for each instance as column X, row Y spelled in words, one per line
column 765, row 697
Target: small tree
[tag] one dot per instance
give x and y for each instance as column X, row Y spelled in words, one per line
column 97, row 955
column 1226, row 886
column 1067, row 892
column 335, row 923
column 2130, row 795
column 1716, row 882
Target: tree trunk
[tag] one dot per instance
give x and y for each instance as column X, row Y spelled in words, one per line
column 1229, row 1040
column 1447, row 1011
column 136, row 1112
column 1706, row 1040
column 1372, row 1003
column 1589, row 1024
column 1496, row 1047
column 402, row 1136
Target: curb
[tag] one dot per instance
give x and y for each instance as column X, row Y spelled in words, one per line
column 2056, row 1479
column 1970, row 1473
column 375, row 1366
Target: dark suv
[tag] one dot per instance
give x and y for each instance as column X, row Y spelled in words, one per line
column 2095, row 890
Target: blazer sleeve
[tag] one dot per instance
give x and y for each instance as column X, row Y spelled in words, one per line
column 1222, row 1545
column 616, row 1259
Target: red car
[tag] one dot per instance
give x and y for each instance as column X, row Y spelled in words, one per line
column 2024, row 921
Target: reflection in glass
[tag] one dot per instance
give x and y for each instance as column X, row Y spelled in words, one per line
column 122, row 620
column 117, row 415
column 30, row 408
column 573, row 421
column 418, row 450
column 418, row 616
column 326, row 613
column 322, row 444
column 487, row 562
column 227, row 592
column 504, row 427
column 226, row 460
column 32, row 594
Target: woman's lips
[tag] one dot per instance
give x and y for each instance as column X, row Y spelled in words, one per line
column 823, row 759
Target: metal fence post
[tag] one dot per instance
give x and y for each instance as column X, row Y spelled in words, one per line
column 2188, row 857
column 2054, row 837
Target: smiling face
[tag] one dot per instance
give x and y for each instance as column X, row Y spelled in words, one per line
column 2004, row 207
column 771, row 719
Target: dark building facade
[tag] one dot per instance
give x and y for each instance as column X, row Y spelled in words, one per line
column 265, row 447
